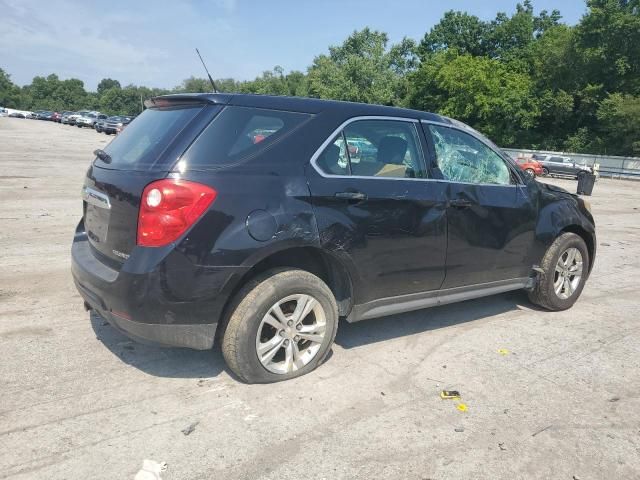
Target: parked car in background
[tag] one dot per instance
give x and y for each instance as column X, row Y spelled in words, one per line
column 17, row 115
column 86, row 120
column 191, row 227
column 559, row 165
column 64, row 119
column 365, row 150
column 62, row 114
column 98, row 126
column 71, row 120
column 89, row 119
column 116, row 124
column 531, row 167
column 55, row 117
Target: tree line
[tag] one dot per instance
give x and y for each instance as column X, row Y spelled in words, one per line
column 525, row 80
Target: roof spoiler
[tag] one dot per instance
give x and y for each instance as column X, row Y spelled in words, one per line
column 188, row 99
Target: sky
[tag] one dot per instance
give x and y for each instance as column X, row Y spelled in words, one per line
column 151, row 42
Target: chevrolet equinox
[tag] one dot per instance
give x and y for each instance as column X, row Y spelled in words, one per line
column 260, row 221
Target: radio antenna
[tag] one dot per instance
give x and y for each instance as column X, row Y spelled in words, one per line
column 213, row 84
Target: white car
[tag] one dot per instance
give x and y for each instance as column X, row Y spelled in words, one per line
column 86, row 120
column 71, row 119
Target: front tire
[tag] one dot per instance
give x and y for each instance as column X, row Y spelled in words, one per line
column 545, row 171
column 565, row 269
column 530, row 172
column 281, row 325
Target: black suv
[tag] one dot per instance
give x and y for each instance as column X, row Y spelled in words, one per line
column 263, row 220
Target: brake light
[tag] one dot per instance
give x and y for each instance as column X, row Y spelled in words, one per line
column 168, row 208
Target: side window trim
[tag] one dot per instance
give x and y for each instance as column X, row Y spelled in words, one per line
column 513, row 170
column 432, row 166
column 346, row 152
column 340, row 130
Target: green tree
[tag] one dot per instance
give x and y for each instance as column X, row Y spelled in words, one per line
column 457, row 30
column 270, row 83
column 510, row 38
column 10, row 94
column 227, row 85
column 363, row 69
column 126, row 100
column 195, row 85
column 619, row 116
column 480, row 91
column 69, row 95
column 608, row 39
column 106, row 84
column 506, row 38
column 297, row 84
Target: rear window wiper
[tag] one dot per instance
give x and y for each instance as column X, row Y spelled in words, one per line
column 102, row 155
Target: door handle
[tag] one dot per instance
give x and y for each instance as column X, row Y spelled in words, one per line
column 460, row 203
column 357, row 196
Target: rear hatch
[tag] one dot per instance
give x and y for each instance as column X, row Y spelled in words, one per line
column 145, row 151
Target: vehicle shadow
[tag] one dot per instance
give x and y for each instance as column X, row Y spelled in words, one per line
column 156, row 360
column 353, row 335
column 185, row 363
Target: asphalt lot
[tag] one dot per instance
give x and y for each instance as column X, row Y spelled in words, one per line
column 78, row 400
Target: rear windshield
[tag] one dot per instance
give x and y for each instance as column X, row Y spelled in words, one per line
column 139, row 146
column 239, row 133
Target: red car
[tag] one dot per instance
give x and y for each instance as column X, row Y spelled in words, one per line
column 530, row 166
column 56, row 117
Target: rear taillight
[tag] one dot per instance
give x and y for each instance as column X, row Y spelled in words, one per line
column 168, row 208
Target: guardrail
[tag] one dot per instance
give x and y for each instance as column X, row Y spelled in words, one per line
column 610, row 166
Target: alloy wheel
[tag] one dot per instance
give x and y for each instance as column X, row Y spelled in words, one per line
column 291, row 333
column 568, row 273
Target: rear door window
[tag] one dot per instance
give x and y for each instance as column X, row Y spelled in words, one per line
column 240, row 133
column 140, row 145
column 375, row 148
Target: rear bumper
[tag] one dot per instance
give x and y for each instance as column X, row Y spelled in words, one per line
column 197, row 337
column 165, row 305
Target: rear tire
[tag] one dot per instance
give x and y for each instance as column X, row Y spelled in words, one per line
column 566, row 268
column 530, row 172
column 262, row 340
column 545, row 171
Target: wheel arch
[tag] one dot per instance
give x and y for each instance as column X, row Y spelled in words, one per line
column 559, row 217
column 588, row 238
column 324, row 265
